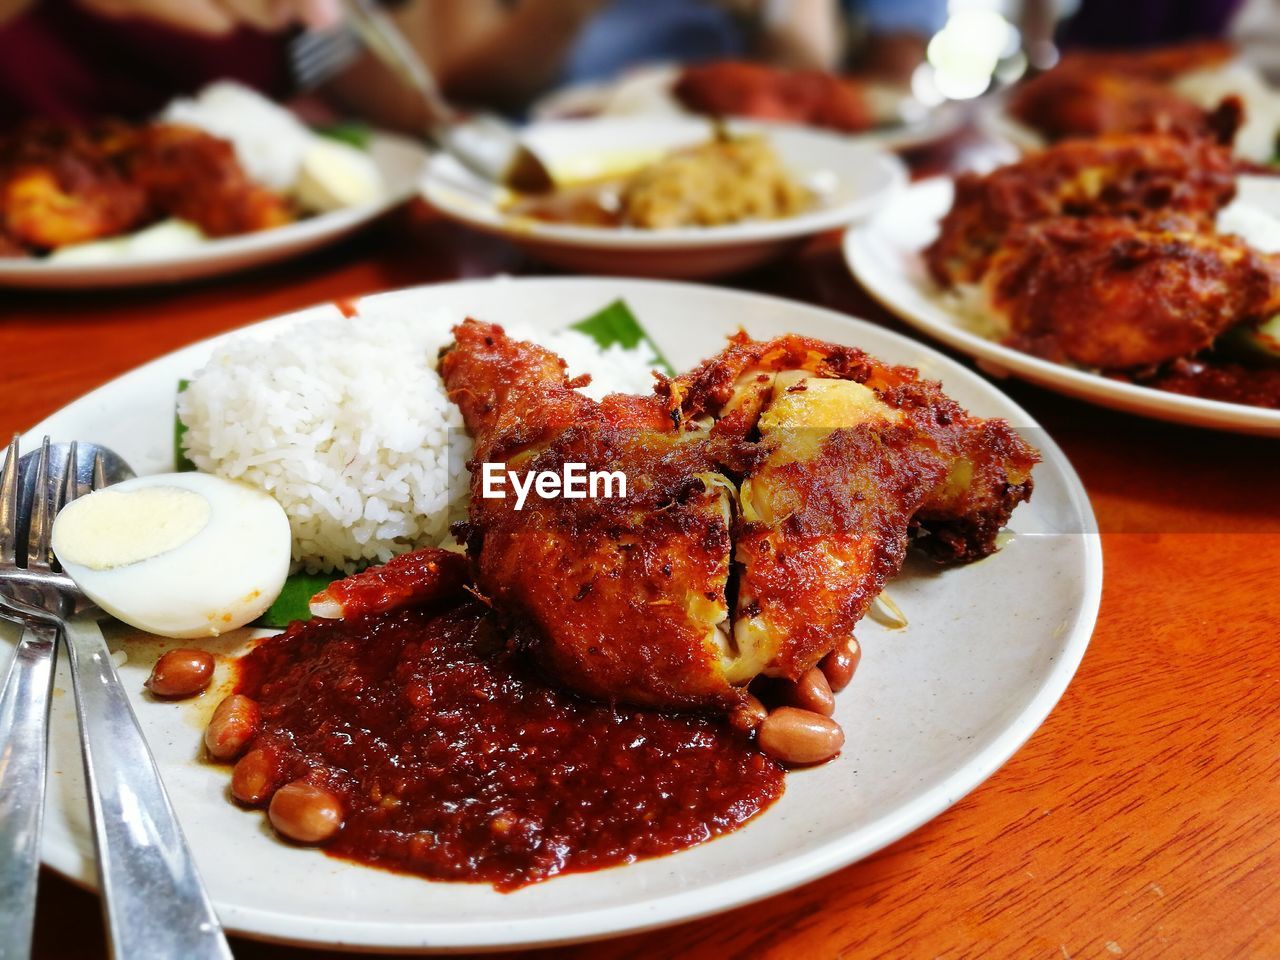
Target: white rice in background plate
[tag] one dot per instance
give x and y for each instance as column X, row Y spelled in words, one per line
column 347, row 424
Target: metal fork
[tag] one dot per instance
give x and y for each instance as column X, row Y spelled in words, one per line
column 485, row 144
column 155, row 903
column 24, row 704
column 317, row 56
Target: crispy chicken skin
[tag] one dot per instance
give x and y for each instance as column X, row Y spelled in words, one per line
column 1106, row 293
column 1139, row 176
column 1074, row 102
column 196, row 177
column 1156, row 63
column 731, row 88
column 1091, row 93
column 860, row 458
column 621, row 599
column 771, row 493
column 64, row 184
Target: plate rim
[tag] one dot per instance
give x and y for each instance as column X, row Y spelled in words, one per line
column 1081, row 384
column 271, row 926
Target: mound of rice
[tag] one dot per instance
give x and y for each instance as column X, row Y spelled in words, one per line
column 269, row 140
column 347, row 424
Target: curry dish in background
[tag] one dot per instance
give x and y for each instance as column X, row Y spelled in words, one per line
column 727, row 180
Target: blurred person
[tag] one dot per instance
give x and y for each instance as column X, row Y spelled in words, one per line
column 889, row 38
column 73, row 59
column 1146, row 23
column 507, row 52
column 487, row 57
column 67, row 59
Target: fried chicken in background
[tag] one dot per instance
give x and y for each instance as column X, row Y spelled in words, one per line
column 1114, row 295
column 772, row 492
column 1092, row 93
column 63, row 184
column 1104, row 253
column 66, row 184
column 736, row 88
column 194, row 176
column 1137, row 176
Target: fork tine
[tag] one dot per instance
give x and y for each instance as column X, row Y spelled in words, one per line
column 317, row 56
column 41, row 519
column 70, row 484
column 99, row 473
column 9, row 506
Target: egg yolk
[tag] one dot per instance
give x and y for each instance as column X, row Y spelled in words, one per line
column 114, row 529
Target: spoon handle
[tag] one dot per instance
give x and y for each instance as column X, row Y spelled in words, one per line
column 155, row 902
column 24, row 743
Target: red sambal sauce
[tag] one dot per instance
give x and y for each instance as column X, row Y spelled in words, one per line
column 454, row 760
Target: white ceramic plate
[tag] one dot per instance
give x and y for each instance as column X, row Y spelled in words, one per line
column 854, row 181
column 399, row 159
column 646, row 92
column 937, row 706
column 884, row 255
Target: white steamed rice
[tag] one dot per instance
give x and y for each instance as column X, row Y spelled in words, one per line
column 347, row 424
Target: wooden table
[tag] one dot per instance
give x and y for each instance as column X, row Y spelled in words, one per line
column 1142, row 820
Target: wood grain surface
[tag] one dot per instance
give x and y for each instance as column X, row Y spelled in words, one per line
column 1142, row 819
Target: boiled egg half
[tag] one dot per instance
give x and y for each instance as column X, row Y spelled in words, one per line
column 176, row 554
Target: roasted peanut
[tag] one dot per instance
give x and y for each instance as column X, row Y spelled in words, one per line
column 254, row 776
column 181, row 673
column 304, row 812
column 748, row 715
column 811, row 692
column 233, row 725
column 800, row 737
column 840, row 663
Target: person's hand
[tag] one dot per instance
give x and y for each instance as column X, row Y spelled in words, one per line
column 219, row 17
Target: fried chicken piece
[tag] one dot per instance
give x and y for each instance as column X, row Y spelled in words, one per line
column 1115, row 295
column 860, row 459
column 620, row 598
column 1139, row 176
column 1158, row 63
column 1070, row 103
column 194, row 176
column 771, row 493
column 1093, row 93
column 63, row 185
column 731, row 88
